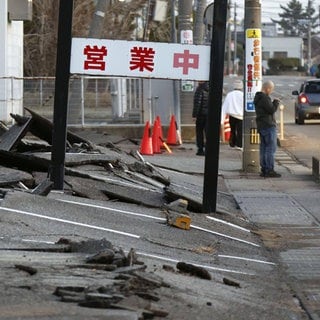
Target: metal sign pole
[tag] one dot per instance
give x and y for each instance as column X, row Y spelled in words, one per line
column 253, row 81
column 210, row 184
column 59, row 134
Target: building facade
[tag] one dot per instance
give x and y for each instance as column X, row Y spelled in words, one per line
column 282, row 47
column 12, row 14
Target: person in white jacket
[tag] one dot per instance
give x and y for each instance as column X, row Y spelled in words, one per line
column 233, row 106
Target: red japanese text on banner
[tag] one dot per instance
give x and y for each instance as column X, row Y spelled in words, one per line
column 139, row 59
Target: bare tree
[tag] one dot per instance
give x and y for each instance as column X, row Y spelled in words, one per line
column 40, row 37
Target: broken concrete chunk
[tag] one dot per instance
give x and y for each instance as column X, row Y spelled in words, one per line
column 232, row 283
column 177, row 214
column 179, row 220
column 43, row 188
column 88, row 246
column 14, row 135
column 100, row 300
column 42, row 128
column 158, row 312
column 70, row 290
column 92, row 266
column 194, row 270
column 105, row 257
column 132, row 258
column 27, row 269
column 147, row 296
column 179, row 205
column 10, row 177
column 168, row 268
column 150, row 279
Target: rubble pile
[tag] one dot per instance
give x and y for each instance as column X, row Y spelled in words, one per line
column 99, row 172
column 133, row 288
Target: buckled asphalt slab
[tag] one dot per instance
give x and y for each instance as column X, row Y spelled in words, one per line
column 281, row 282
column 285, row 212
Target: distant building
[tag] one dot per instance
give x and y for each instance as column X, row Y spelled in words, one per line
column 269, row 29
column 12, row 14
column 275, row 45
column 281, row 47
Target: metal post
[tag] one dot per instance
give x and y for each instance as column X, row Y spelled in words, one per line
column 250, row 158
column 59, row 134
column 175, row 83
column 82, row 101
column 281, row 107
column 209, row 203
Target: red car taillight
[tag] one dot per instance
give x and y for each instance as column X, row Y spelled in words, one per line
column 303, row 98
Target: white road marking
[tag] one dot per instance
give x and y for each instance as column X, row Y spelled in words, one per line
column 225, row 236
column 245, row 259
column 229, row 224
column 160, row 219
column 113, row 209
column 71, row 222
column 195, row 264
column 37, row 241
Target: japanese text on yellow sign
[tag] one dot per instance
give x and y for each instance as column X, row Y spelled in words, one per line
column 253, row 66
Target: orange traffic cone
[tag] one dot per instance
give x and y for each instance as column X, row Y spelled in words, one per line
column 172, row 132
column 146, row 143
column 226, row 129
column 156, row 137
column 160, row 130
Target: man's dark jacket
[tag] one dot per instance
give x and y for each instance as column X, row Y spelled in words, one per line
column 200, row 101
column 265, row 110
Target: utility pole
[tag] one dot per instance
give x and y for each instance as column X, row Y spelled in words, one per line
column 252, row 79
column 229, row 39
column 59, row 132
column 185, row 36
column 235, row 39
column 198, row 35
column 210, row 183
column 96, row 26
column 309, row 37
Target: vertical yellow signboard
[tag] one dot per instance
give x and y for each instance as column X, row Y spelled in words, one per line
column 253, row 67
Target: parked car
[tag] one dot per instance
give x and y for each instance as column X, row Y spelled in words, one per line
column 307, row 105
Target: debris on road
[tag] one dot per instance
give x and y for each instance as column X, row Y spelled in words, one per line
column 231, row 283
column 177, row 214
column 194, row 270
column 32, row 271
column 130, row 282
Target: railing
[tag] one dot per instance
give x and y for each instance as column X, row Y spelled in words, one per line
column 92, row 100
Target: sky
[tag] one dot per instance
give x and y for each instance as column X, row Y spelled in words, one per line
column 270, row 9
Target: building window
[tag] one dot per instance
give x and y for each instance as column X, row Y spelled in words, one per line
column 280, row 54
column 265, row 55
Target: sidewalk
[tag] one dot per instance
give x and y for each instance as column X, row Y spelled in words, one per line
column 286, row 213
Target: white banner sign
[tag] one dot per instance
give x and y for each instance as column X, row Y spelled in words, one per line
column 253, row 68
column 139, row 59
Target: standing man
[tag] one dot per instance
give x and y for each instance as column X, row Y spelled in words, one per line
column 200, row 113
column 266, row 125
column 233, row 106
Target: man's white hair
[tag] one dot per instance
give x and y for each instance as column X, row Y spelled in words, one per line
column 268, row 84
